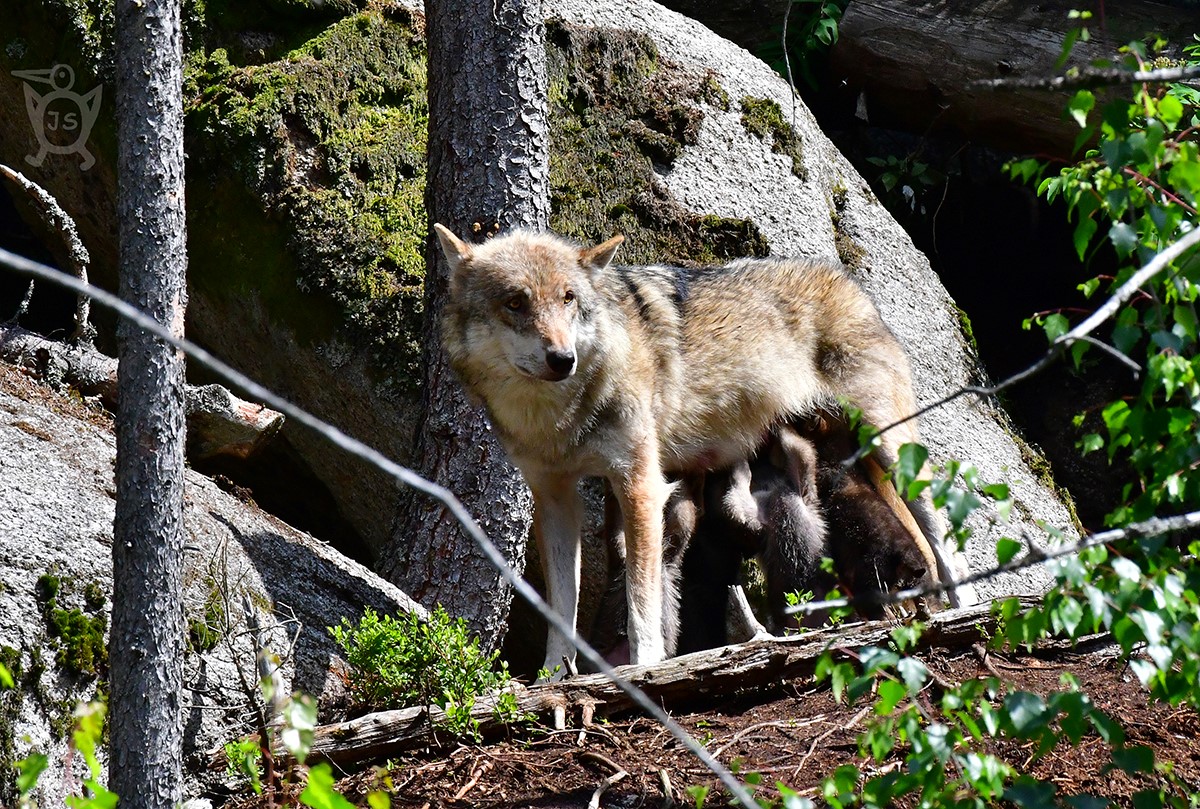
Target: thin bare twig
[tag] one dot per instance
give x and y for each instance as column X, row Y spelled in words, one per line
column 618, row 774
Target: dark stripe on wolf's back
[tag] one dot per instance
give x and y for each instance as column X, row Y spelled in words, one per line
column 626, row 274
column 683, row 288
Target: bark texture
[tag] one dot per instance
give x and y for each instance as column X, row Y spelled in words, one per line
column 147, row 643
column 488, row 171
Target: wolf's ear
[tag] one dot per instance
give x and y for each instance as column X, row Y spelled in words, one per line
column 455, row 249
column 598, row 257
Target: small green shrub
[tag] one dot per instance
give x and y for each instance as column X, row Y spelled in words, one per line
column 401, row 662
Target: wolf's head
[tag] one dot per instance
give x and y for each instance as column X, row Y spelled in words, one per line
column 523, row 300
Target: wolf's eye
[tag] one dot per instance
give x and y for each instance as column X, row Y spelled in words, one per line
column 515, row 304
column 569, row 297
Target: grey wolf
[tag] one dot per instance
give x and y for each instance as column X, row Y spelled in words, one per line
column 586, row 368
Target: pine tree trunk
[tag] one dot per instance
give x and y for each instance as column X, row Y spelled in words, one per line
column 146, row 646
column 488, row 170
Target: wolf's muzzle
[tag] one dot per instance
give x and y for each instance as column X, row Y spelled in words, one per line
column 561, row 363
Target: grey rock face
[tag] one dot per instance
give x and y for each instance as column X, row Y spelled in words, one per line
column 56, row 512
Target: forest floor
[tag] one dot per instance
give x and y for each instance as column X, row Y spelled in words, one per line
column 794, row 733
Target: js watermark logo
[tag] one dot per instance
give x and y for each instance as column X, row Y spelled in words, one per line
column 61, row 118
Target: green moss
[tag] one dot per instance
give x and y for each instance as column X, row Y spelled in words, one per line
column 763, row 118
column 849, row 251
column 1043, row 473
column 205, row 631
column 327, row 144
column 10, row 707
column 78, row 633
column 968, row 331
column 618, row 110
column 48, row 586
column 82, row 649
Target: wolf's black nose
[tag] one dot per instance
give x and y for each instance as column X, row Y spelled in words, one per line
column 560, row 362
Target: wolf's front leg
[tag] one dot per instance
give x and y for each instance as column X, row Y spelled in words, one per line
column 643, row 495
column 557, row 517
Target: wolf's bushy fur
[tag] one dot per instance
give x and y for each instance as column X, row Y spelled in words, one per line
column 629, row 373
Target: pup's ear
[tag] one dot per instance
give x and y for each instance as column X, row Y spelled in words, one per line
column 455, row 249
column 598, row 257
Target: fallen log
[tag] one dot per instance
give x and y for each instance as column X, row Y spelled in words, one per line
column 914, row 65
column 218, row 423
column 688, row 679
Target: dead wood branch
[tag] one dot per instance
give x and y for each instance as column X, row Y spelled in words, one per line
column 758, row 664
column 218, row 423
column 77, row 256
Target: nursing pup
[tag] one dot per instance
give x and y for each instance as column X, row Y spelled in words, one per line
column 631, row 373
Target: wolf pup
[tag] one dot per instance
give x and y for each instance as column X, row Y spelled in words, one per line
column 628, row 373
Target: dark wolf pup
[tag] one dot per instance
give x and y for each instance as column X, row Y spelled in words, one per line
column 630, row 373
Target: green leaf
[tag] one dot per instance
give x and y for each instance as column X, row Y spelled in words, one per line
column 1138, row 758
column 1080, row 105
column 28, row 770
column 98, row 798
column 1026, row 711
column 1068, row 44
column 1031, row 793
column 1084, row 232
column 1185, row 320
column 890, row 695
column 1170, row 111
column 697, row 793
column 319, row 792
column 1007, row 550
column 913, row 672
column 791, row 798
column 299, row 721
column 379, row 800
column 1124, row 238
column 911, row 461
column 1055, row 326
column 6, row 680
column 1127, row 569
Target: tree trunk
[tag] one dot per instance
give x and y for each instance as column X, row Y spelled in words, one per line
column 488, row 171
column 146, row 646
column 915, row 63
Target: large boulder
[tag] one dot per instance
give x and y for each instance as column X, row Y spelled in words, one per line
column 56, row 475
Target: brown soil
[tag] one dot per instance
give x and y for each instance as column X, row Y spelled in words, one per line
column 797, row 734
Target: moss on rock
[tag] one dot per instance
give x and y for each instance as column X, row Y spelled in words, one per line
column 327, row 144
column 618, row 110
column 763, row 118
column 77, row 633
